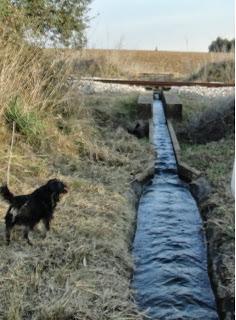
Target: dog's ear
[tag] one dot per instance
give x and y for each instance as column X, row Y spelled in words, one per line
column 56, row 185
column 53, row 185
column 52, row 181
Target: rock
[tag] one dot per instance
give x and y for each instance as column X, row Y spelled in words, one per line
column 146, row 175
column 141, row 129
column 137, row 188
column 200, row 189
column 186, row 172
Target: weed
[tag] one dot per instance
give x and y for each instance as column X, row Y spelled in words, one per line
column 27, row 123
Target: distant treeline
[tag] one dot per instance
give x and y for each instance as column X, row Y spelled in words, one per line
column 222, row 45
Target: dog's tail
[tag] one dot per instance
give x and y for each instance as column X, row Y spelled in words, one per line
column 6, row 194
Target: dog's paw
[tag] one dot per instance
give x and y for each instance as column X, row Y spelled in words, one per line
column 44, row 235
column 29, row 242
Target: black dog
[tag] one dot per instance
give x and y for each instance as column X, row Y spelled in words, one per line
column 28, row 210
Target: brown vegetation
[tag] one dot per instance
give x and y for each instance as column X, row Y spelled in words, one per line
column 215, row 71
column 82, row 269
column 212, row 124
column 140, row 63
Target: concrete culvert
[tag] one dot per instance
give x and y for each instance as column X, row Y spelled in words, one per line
column 200, row 189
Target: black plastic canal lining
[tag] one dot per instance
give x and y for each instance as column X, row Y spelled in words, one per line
column 170, row 280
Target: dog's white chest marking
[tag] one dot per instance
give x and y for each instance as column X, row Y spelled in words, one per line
column 53, row 201
column 14, row 213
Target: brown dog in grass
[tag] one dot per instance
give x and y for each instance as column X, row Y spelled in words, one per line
column 28, row 210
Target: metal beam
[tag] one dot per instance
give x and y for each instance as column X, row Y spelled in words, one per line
column 153, row 83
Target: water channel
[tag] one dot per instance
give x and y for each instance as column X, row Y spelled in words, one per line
column 171, row 278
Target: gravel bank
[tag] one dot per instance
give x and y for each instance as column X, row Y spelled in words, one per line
column 204, row 92
column 91, row 87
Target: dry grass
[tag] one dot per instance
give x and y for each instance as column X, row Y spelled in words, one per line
column 82, row 269
column 223, row 71
column 215, row 121
column 136, row 63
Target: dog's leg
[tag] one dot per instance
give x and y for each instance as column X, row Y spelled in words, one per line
column 26, row 235
column 8, row 234
column 9, row 225
column 46, row 223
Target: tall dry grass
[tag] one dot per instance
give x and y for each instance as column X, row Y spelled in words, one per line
column 36, row 95
column 223, row 71
column 135, row 63
column 82, row 269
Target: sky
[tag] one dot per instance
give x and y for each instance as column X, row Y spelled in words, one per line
column 176, row 25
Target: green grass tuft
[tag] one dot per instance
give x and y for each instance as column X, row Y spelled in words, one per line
column 27, row 122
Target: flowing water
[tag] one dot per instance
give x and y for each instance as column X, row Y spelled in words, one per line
column 170, row 278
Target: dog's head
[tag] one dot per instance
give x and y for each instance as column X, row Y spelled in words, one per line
column 57, row 186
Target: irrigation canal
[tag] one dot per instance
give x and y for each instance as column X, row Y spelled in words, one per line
column 170, row 279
